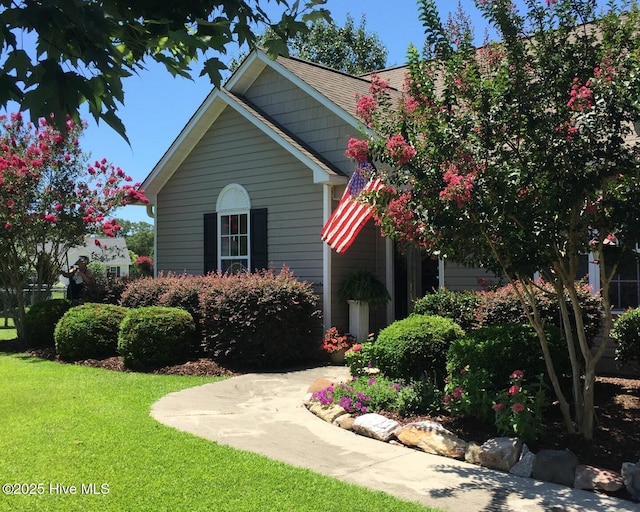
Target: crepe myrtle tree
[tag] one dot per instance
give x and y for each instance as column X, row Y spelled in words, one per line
column 519, row 156
column 84, row 49
column 50, row 198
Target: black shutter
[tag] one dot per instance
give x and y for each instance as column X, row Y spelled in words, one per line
column 210, row 242
column 259, row 256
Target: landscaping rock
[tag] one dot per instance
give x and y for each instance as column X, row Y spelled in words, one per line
column 328, row 413
column 557, row 466
column 472, row 455
column 319, row 385
column 524, row 467
column 592, row 478
column 500, row 453
column 432, row 437
column 375, row 426
column 631, row 477
column 345, row 422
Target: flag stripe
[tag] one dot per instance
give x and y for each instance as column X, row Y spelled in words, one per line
column 351, row 214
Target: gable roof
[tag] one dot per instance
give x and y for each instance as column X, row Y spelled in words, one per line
column 334, row 90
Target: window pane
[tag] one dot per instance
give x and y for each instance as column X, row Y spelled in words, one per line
column 224, row 225
column 233, row 242
column 629, row 271
column 224, row 246
column 234, row 225
column 243, row 224
column 243, row 245
column 614, row 295
column 233, row 266
column 583, row 267
column 628, row 295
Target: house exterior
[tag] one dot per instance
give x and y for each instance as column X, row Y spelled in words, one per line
column 111, row 252
column 257, row 171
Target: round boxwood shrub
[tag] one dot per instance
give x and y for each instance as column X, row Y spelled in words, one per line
column 41, row 319
column 626, row 333
column 89, row 331
column 408, row 348
column 155, row 336
column 498, row 350
column 459, row 306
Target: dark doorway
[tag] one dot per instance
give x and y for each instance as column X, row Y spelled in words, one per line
column 422, row 269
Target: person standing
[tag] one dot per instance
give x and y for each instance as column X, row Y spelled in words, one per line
column 79, row 277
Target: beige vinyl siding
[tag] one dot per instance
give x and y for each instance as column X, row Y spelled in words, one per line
column 301, row 114
column 458, row 277
column 234, row 151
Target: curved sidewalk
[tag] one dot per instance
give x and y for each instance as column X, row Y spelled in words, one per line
column 264, row 413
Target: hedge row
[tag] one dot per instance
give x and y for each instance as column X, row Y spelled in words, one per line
column 259, row 319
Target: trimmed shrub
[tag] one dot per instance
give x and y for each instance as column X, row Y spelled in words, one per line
column 498, row 350
column 89, row 331
column 458, row 306
column 41, row 319
column 409, row 348
column 184, row 293
column 626, row 333
column 155, row 336
column 146, row 291
column 502, row 306
column 261, row 320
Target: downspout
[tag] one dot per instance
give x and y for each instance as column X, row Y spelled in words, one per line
column 152, row 214
column 327, row 193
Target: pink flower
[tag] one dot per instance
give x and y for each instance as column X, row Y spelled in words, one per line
column 517, row 374
column 498, row 407
column 457, row 393
column 377, row 85
column 447, row 399
column 357, row 150
column 356, row 348
column 514, row 390
column 365, row 108
column 517, row 407
column 458, row 186
column 399, row 149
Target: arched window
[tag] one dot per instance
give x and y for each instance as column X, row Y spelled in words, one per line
column 234, row 229
column 235, row 236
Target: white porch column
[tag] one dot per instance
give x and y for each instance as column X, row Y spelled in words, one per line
column 327, row 193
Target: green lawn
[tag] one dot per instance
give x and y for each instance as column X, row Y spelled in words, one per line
column 66, row 425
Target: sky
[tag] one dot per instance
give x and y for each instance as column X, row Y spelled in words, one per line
column 157, row 105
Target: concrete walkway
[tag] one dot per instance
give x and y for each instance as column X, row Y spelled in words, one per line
column 264, row 413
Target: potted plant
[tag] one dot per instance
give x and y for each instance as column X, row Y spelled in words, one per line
column 361, row 290
column 336, row 344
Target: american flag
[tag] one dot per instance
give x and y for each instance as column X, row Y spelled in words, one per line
column 351, row 214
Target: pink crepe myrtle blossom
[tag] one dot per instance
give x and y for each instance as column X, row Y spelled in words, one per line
column 514, row 389
column 399, row 149
column 458, row 186
column 365, row 108
column 517, row 374
column 378, row 85
column 357, row 150
column 581, row 96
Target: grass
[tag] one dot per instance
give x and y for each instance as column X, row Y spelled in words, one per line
column 67, row 425
column 9, row 332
